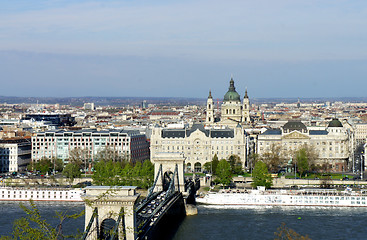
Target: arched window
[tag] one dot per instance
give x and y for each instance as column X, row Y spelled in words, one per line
column 188, row 167
column 197, row 167
column 234, row 111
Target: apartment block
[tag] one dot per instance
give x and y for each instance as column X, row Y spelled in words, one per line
column 130, row 144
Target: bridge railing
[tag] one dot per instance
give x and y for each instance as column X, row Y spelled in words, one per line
column 154, row 217
column 144, row 220
column 150, row 195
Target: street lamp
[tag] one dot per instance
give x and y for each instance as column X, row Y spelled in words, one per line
column 295, row 169
column 362, row 167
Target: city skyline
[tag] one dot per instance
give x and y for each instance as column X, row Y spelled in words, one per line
column 172, row 49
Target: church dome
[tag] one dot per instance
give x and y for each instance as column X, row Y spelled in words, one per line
column 335, row 123
column 231, row 95
column 294, row 125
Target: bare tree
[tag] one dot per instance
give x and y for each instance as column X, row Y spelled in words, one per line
column 108, row 154
column 80, row 157
column 274, row 158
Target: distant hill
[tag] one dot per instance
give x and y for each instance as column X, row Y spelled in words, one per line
column 104, row 101
column 167, row 101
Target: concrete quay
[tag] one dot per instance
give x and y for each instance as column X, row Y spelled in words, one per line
column 37, row 182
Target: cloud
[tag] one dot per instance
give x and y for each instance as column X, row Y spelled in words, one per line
column 203, row 29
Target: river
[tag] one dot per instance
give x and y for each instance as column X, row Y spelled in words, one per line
column 228, row 222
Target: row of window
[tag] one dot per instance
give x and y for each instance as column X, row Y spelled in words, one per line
column 197, row 142
column 81, row 140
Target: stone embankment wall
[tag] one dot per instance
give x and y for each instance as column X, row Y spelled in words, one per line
column 41, row 181
column 283, row 182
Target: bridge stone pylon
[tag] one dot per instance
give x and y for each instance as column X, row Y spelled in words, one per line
column 110, row 212
column 168, row 163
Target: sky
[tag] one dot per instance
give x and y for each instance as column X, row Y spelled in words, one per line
column 161, row 48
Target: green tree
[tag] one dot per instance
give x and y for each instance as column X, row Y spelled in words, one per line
column 253, row 158
column 212, row 165
column 72, row 171
column 305, row 158
column 215, row 163
column 107, row 173
column 147, row 174
column 223, row 172
column 208, row 166
column 115, row 173
column 44, row 165
column 261, row 175
column 236, row 164
column 59, row 164
column 302, row 161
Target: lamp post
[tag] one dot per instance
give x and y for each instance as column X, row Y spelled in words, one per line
column 295, row 169
column 54, row 165
column 211, row 167
column 362, row 167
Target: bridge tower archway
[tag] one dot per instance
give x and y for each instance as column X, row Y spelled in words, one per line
column 106, row 229
column 166, row 163
column 110, row 212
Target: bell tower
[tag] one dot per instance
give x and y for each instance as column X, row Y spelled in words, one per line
column 246, row 109
column 209, row 109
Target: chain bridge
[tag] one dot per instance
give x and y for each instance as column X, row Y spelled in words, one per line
column 115, row 212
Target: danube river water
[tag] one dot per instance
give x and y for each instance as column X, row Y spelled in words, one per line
column 261, row 222
column 10, row 211
column 228, row 222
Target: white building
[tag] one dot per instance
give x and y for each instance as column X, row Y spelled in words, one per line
column 331, row 143
column 360, row 133
column 57, row 144
column 199, row 144
column 89, row 106
column 15, row 154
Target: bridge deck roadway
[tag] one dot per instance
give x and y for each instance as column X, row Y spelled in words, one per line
column 152, row 213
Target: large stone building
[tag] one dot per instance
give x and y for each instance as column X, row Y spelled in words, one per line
column 222, row 136
column 130, row 144
column 233, row 112
column 199, row 144
column 331, row 143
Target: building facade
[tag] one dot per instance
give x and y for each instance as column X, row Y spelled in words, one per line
column 52, row 119
column 331, row 144
column 15, row 154
column 199, row 144
column 360, row 133
column 129, row 144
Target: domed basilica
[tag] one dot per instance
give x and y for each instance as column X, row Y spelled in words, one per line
column 233, row 112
